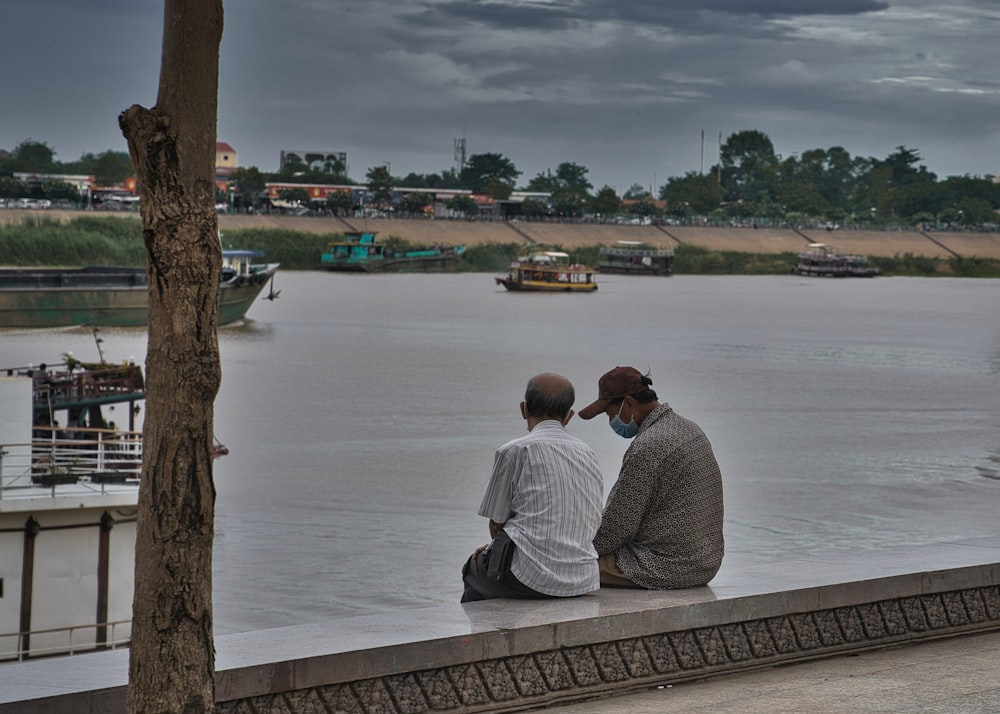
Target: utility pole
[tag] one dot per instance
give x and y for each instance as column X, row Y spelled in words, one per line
column 719, row 171
column 460, row 154
column 701, row 171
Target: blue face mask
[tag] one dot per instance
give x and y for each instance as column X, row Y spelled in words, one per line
column 626, row 431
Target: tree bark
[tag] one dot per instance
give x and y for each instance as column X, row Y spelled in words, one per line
column 172, row 145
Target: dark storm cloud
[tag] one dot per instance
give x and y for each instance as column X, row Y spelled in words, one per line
column 508, row 16
column 760, row 8
column 625, row 87
column 704, row 15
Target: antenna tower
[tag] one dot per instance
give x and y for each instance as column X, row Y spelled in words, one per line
column 460, row 155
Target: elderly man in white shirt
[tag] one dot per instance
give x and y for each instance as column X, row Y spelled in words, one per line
column 544, row 502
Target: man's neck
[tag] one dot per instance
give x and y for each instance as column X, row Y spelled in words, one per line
column 535, row 421
column 644, row 410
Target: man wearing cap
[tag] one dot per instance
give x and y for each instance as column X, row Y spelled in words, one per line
column 662, row 524
column 544, row 505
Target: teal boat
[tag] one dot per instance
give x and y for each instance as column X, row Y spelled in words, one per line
column 360, row 252
column 117, row 296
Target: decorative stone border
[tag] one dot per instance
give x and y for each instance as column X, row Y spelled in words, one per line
column 515, row 682
column 503, row 655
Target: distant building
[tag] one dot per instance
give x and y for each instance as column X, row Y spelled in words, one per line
column 80, row 182
column 226, row 161
column 225, row 156
column 364, row 198
column 317, row 192
column 327, row 161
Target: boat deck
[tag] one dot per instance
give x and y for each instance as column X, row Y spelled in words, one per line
column 67, row 278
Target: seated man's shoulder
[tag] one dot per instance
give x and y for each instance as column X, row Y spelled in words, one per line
column 672, row 424
column 513, row 445
column 524, row 441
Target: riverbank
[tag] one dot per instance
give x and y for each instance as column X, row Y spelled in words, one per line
column 576, row 235
column 297, row 241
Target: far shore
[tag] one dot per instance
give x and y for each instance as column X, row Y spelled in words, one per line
column 885, row 244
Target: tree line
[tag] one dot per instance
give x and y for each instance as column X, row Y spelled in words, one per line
column 750, row 183
column 35, row 157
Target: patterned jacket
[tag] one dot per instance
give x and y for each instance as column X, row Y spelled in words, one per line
column 663, row 518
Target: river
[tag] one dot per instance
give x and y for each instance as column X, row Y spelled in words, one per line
column 362, row 412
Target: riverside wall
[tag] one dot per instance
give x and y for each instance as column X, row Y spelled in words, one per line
column 509, row 655
column 570, row 235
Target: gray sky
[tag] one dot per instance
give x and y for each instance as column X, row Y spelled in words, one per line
column 623, row 87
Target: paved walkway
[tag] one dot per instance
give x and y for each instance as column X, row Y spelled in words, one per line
column 951, row 676
column 522, row 653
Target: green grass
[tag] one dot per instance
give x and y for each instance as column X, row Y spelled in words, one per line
column 295, row 251
column 82, row 241
column 696, row 260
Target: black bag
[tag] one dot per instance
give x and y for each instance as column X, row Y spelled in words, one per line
column 499, row 555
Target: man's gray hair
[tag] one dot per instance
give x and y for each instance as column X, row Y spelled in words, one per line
column 549, row 397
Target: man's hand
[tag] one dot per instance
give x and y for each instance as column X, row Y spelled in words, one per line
column 494, row 529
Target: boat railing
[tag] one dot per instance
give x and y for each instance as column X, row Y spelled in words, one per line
column 558, row 274
column 630, row 251
column 65, row 640
column 91, row 459
column 240, row 261
column 60, row 385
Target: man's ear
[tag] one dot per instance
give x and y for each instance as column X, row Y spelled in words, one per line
column 524, row 411
column 569, row 415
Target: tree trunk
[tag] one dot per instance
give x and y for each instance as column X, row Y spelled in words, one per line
column 172, row 657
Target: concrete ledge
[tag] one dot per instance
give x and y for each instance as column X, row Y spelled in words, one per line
column 506, row 655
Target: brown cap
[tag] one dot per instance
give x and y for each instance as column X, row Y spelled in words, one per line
column 618, row 383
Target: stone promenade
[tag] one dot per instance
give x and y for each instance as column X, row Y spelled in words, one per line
column 510, row 655
column 957, row 675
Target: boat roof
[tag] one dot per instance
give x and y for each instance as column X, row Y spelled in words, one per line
column 550, row 254
column 242, row 253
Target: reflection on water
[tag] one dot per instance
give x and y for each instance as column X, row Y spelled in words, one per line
column 361, row 413
column 990, row 469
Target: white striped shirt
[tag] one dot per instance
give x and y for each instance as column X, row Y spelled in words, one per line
column 547, row 489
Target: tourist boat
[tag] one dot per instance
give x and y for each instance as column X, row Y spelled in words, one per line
column 819, row 260
column 360, row 252
column 117, row 296
column 548, row 271
column 632, row 257
column 69, row 478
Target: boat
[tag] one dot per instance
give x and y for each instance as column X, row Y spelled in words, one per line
column 548, row 271
column 820, row 260
column 632, row 257
column 112, row 296
column 360, row 252
column 69, row 490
